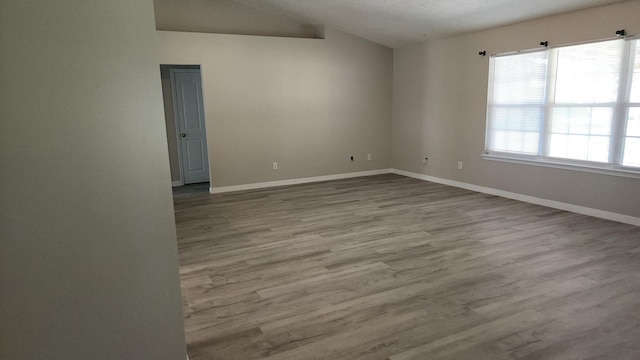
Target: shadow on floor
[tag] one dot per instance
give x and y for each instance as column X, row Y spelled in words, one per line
column 190, row 190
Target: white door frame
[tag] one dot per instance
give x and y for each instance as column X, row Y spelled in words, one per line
column 172, row 71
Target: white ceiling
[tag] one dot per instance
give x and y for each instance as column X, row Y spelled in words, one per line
column 397, row 23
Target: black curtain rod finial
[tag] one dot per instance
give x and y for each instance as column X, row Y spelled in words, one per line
column 621, row 33
column 544, row 43
column 483, row 53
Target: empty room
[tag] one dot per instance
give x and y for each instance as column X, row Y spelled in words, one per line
column 305, row 179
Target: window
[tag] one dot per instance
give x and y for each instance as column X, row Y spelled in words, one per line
column 632, row 132
column 576, row 105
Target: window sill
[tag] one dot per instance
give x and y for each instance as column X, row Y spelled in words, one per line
column 559, row 164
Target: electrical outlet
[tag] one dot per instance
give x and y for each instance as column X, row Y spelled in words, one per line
column 369, row 157
column 275, row 166
column 459, row 165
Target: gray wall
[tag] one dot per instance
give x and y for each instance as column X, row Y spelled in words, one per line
column 88, row 264
column 439, row 110
column 170, row 122
column 307, row 104
column 226, row 17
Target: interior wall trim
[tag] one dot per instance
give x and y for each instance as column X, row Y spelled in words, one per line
column 626, row 219
column 268, row 184
column 608, row 215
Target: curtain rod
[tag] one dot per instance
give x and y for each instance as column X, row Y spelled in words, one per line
column 544, row 45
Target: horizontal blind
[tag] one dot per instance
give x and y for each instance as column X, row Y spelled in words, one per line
column 516, row 103
column 571, row 104
column 589, row 73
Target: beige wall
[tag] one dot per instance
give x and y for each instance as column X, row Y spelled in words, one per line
column 439, row 110
column 307, row 104
column 88, row 264
column 226, row 17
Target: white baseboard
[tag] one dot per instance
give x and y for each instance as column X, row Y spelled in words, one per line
column 526, row 198
column 268, row 184
column 486, row 190
column 176, row 183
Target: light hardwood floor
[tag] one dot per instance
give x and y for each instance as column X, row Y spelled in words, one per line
column 389, row 267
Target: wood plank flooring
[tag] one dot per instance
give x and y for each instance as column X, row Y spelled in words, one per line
column 389, row 267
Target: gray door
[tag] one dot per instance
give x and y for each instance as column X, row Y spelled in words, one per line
column 187, row 90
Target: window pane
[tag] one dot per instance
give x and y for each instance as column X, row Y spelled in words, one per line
column 515, row 118
column 633, row 122
column 601, row 121
column 632, row 152
column 561, row 120
column 520, row 79
column 516, row 129
column 582, row 120
column 516, row 103
column 589, row 73
column 586, row 74
column 631, row 155
column 579, row 147
column 598, row 148
column 558, row 145
column 516, row 141
column 635, row 84
column 581, row 133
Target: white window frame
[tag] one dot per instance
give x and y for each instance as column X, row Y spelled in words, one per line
column 621, row 108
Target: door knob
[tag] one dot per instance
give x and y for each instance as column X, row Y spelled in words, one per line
column 184, row 135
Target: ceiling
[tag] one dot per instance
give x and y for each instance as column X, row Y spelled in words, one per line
column 396, row 23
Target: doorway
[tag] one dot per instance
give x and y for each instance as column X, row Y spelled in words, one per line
column 185, row 121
